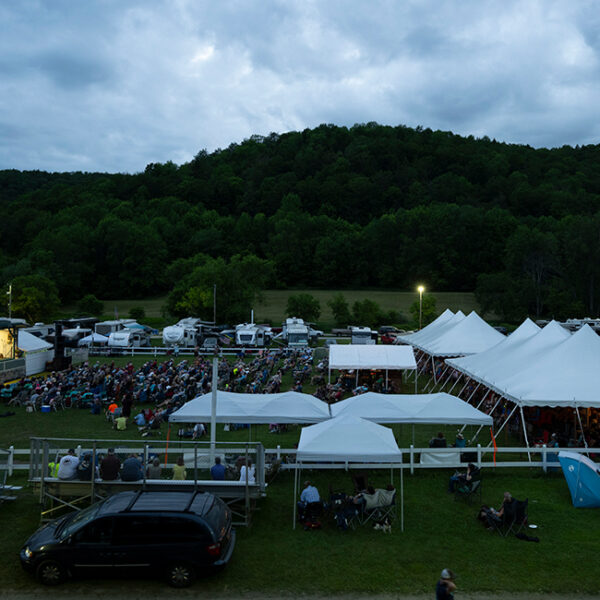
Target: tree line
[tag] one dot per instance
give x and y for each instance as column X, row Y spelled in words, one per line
column 368, row 206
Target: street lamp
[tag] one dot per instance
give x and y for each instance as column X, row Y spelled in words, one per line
column 420, row 289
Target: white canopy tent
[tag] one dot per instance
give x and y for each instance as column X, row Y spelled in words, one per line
column 356, row 357
column 93, row 338
column 438, row 408
column 345, row 440
column 36, row 352
column 467, row 336
column 286, row 407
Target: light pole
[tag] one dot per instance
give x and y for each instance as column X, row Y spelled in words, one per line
column 420, row 289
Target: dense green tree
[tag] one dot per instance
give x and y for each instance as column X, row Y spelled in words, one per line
column 34, row 298
column 305, row 306
column 424, row 310
column 340, row 309
column 90, row 305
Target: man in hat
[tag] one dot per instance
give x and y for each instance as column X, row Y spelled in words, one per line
column 445, row 586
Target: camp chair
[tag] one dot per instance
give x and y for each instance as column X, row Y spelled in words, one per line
column 342, row 510
column 513, row 519
column 384, row 509
column 468, row 489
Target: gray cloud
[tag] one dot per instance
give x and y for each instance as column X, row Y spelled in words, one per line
column 111, row 86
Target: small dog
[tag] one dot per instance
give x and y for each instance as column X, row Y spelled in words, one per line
column 385, row 526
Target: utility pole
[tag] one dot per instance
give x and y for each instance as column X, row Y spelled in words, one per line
column 215, row 304
column 9, row 294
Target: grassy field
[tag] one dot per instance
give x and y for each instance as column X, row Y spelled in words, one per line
column 273, row 559
column 272, row 308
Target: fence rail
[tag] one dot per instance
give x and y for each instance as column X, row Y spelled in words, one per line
column 413, row 458
column 167, row 350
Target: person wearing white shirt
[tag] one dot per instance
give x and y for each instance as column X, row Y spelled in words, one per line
column 248, row 472
column 67, row 468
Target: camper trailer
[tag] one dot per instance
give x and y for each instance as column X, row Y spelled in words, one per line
column 129, row 338
column 250, row 334
column 186, row 333
column 363, row 335
column 41, row 330
column 107, row 327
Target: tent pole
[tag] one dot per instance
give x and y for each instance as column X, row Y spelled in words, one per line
column 455, row 383
column 445, row 381
column 213, row 409
column 491, row 412
column 433, row 369
column 386, row 379
column 462, row 389
column 473, row 392
column 328, row 374
column 525, row 432
column 416, row 377
column 581, row 427
column 402, row 498
column 295, row 494
column 483, row 399
column 505, row 422
column 413, row 428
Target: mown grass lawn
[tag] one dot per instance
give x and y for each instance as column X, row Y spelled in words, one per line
column 440, row 532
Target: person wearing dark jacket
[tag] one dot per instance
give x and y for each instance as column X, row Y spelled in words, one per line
column 110, row 466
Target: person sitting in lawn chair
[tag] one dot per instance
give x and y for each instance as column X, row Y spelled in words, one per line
column 462, row 479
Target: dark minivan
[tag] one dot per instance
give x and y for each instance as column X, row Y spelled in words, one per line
column 173, row 533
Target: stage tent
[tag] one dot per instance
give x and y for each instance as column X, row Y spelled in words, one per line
column 480, row 363
column 435, row 324
column 339, row 442
column 469, row 336
column 439, row 409
column 286, row 407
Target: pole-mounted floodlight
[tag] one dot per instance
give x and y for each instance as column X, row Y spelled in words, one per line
column 420, row 289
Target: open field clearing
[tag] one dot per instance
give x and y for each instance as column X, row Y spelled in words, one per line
column 272, row 308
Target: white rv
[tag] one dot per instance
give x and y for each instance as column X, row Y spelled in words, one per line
column 183, row 334
column 297, row 333
column 129, row 338
column 250, row 334
column 362, row 335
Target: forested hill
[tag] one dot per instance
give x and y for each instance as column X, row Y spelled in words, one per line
column 336, row 207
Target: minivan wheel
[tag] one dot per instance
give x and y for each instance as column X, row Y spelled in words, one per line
column 50, row 572
column 180, row 575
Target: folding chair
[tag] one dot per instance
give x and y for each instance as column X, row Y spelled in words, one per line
column 513, row 519
column 384, row 508
column 468, row 489
column 517, row 517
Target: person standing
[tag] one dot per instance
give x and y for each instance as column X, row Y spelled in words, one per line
column 444, row 590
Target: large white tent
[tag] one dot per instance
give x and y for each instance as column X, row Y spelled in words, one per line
column 286, row 407
column 518, row 357
column 440, row 408
column 435, row 325
column 469, row 335
column 566, row 375
column 476, row 365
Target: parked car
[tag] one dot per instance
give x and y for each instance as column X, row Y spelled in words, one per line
column 172, row 533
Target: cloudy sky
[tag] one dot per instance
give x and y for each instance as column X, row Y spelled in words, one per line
column 112, row 85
